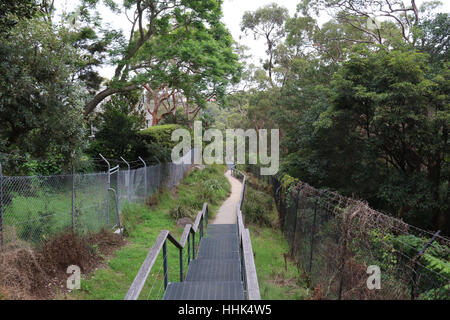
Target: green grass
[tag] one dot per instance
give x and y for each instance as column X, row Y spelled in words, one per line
column 113, row 281
column 278, row 279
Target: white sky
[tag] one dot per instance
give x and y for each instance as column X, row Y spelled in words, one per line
column 233, row 11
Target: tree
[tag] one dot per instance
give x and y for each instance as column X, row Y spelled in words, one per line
column 267, row 22
column 433, row 37
column 197, row 70
column 379, row 129
column 362, row 15
column 40, row 105
column 92, row 44
column 155, row 46
column 118, row 125
column 396, row 111
column 11, row 12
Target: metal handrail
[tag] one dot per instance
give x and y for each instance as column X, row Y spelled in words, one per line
column 250, row 277
column 161, row 244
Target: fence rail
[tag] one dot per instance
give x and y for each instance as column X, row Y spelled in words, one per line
column 248, row 263
column 161, row 244
column 32, row 209
column 334, row 240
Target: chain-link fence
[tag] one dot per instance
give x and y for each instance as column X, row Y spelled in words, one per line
column 33, row 209
column 335, row 240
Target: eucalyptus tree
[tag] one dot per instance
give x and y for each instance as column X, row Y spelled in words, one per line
column 267, row 22
column 369, row 16
column 198, row 69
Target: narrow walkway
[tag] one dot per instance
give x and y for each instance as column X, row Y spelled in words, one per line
column 227, row 212
column 216, row 271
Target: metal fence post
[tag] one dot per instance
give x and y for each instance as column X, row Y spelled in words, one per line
column 414, row 265
column 108, row 185
column 1, row 206
column 129, row 179
column 116, row 200
column 313, row 230
column 295, row 223
column 145, row 178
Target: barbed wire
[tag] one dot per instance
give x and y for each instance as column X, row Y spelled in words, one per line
column 333, row 236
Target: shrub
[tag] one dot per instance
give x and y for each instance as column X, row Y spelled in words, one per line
column 258, row 208
column 158, row 142
column 37, row 227
column 208, row 185
column 117, row 136
column 180, row 212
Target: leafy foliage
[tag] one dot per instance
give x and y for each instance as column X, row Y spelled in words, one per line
column 179, row 44
column 13, row 11
column 158, row 143
column 361, row 110
column 117, row 136
column 40, row 105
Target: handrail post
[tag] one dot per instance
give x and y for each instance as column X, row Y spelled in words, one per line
column 189, row 248
column 166, row 271
column 181, row 265
column 201, row 227
column 193, row 246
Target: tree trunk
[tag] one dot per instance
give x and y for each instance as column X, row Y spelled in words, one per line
column 99, row 97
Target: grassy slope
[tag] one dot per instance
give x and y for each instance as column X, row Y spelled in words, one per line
column 113, row 281
column 278, row 280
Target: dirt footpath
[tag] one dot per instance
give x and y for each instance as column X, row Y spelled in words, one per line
column 227, row 212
